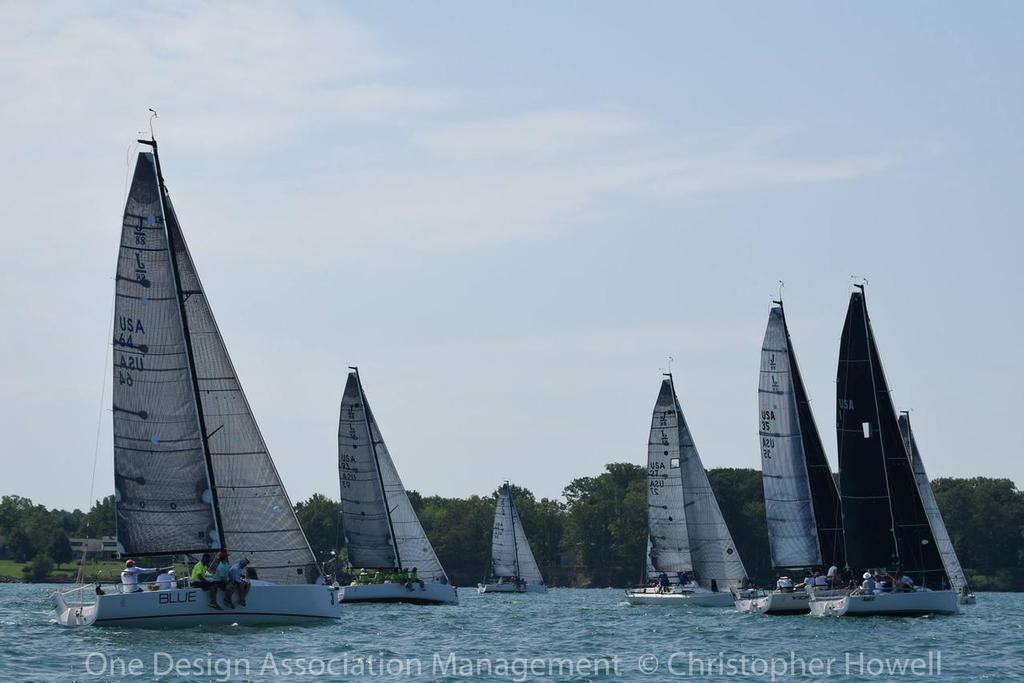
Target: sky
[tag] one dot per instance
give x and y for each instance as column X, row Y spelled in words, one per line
column 511, row 216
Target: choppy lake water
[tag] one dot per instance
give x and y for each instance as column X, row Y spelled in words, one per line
column 564, row 635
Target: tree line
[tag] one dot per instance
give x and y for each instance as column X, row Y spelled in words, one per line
column 595, row 535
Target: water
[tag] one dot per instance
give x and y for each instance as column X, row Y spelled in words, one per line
column 592, row 627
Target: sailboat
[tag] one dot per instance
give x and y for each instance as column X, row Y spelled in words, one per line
column 382, row 531
column 802, row 504
column 192, row 473
column 692, row 557
column 513, row 567
column 886, row 528
column 950, row 561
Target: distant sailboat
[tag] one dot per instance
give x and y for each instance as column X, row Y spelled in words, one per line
column 191, row 470
column 950, row 561
column 382, row 531
column 802, row 504
column 689, row 542
column 513, row 567
column 886, row 526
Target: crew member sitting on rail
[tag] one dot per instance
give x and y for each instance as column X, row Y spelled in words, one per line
column 414, row 577
column 239, row 580
column 868, row 587
column 904, row 583
column 198, row 576
column 784, row 584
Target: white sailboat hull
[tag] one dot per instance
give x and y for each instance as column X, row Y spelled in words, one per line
column 429, row 594
column 186, row 607
column 510, row 588
column 916, row 603
column 775, row 602
column 700, row 597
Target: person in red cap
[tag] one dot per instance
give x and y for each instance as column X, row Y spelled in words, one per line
column 221, row 579
column 130, row 576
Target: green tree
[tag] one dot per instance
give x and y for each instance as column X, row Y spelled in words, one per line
column 60, row 548
column 101, row 520
column 320, row 518
column 606, row 522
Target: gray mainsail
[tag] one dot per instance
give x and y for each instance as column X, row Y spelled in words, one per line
column 191, row 470
column 504, row 558
column 510, row 550
column 668, row 540
column 714, row 555
column 381, row 526
column 792, row 529
column 947, row 552
column 162, row 491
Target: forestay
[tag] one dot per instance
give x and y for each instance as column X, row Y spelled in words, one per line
column 950, row 561
column 162, row 493
column 792, row 530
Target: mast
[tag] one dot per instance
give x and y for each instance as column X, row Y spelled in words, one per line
column 512, row 510
column 376, row 462
column 189, row 353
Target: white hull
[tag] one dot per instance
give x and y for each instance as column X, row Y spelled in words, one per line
column 510, row 588
column 186, row 607
column 429, row 594
column 916, row 603
column 695, row 598
column 797, row 602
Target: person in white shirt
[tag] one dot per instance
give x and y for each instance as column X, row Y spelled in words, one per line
column 784, row 584
column 833, row 576
column 809, row 581
column 130, row 576
column 820, row 581
column 166, row 580
column 868, row 587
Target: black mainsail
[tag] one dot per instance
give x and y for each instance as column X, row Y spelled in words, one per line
column 884, row 519
column 192, row 472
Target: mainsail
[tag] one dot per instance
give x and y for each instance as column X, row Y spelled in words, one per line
column 801, row 499
column 708, row 541
column 884, row 518
column 510, row 550
column 193, row 406
column 668, row 540
column 381, row 526
column 950, row 561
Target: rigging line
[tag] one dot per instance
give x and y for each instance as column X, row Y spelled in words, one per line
column 99, row 423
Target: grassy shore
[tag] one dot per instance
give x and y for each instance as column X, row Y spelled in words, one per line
column 105, row 571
